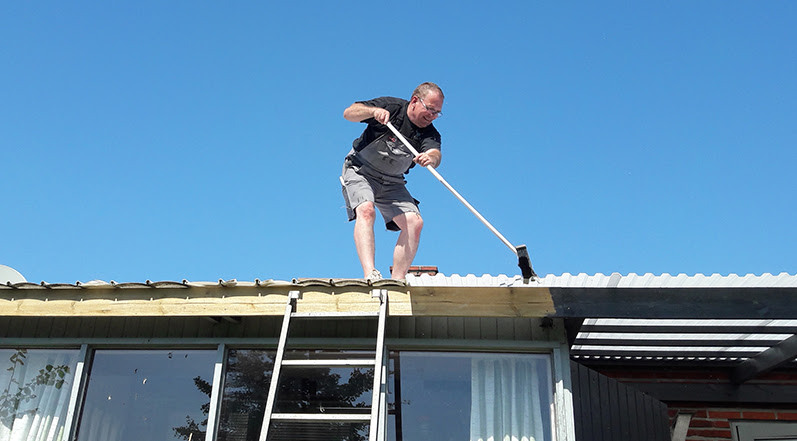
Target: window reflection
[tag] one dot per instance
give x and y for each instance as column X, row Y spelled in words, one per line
column 301, row 390
column 461, row 396
column 35, row 386
column 433, row 395
column 147, row 394
column 165, row 395
column 244, row 398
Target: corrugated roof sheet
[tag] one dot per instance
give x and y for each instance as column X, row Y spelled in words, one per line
column 614, row 280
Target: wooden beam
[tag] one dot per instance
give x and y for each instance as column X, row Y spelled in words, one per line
column 772, row 358
column 523, row 301
column 628, row 340
column 720, row 392
column 480, row 301
column 663, row 351
column 219, row 301
column 692, row 328
column 572, row 328
column 676, row 303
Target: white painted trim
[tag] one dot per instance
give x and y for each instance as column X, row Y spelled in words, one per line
column 682, row 422
column 217, row 386
column 78, row 385
column 563, row 396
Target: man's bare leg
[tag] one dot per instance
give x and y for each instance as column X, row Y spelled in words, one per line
column 411, row 225
column 364, row 236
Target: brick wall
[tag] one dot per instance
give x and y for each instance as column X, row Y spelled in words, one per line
column 711, row 423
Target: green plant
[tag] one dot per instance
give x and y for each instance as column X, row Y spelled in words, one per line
column 17, row 392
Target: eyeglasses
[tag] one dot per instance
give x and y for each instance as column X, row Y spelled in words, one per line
column 436, row 113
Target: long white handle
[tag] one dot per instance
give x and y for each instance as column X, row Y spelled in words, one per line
column 451, row 189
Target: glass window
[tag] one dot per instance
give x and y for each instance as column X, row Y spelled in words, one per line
column 471, row 396
column 764, row 430
column 301, row 390
column 244, row 397
column 135, row 395
column 35, row 386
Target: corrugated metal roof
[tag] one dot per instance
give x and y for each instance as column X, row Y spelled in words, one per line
column 614, row 280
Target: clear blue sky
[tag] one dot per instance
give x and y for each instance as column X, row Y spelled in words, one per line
column 203, row 140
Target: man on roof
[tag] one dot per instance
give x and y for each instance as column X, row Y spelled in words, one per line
column 374, row 169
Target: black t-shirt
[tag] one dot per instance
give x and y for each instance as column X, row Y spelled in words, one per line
column 421, row 138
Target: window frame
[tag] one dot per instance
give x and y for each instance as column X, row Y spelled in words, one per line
column 558, row 352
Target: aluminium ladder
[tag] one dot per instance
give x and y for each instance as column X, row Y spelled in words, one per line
column 378, row 415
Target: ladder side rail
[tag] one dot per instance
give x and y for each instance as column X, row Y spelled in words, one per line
column 382, row 435
column 275, row 372
column 379, row 363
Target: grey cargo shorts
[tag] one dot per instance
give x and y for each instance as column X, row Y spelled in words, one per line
column 392, row 199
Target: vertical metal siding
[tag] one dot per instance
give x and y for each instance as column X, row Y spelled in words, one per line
column 437, row 328
column 607, row 410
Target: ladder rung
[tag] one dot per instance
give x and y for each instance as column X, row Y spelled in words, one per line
column 335, row 362
column 335, row 314
column 352, row 417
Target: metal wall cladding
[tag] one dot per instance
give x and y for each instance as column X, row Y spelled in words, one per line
column 268, row 327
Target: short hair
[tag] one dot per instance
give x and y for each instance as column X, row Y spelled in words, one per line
column 424, row 88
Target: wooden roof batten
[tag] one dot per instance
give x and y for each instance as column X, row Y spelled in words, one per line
column 237, row 300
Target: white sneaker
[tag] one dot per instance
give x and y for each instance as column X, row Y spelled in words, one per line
column 374, row 275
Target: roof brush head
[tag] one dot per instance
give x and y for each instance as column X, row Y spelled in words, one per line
column 524, row 262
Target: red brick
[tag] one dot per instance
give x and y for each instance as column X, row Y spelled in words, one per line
column 759, row 415
column 698, row 423
column 706, row 433
column 724, row 414
column 791, row 416
column 721, row 423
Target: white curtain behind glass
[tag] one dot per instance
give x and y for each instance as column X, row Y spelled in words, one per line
column 506, row 404
column 97, row 425
column 40, row 414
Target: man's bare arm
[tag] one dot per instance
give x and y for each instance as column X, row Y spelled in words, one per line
column 359, row 112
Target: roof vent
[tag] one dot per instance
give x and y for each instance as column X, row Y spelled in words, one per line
column 10, row 275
